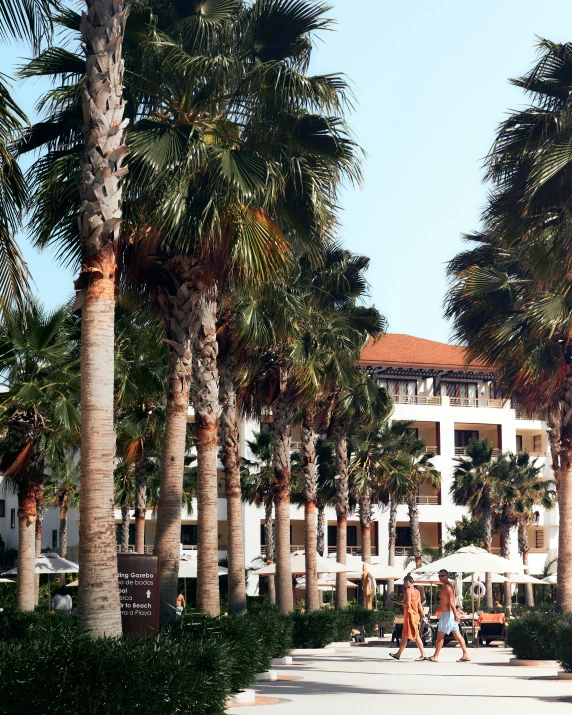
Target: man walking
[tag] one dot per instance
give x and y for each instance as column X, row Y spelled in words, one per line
column 449, row 620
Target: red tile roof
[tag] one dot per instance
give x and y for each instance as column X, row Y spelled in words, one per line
column 392, row 350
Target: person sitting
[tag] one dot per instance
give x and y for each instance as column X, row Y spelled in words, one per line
column 62, row 600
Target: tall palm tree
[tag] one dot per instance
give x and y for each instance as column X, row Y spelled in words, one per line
column 326, row 491
column 510, row 294
column 472, row 486
column 103, row 27
column 38, row 364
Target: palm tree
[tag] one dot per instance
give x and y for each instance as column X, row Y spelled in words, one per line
column 510, row 294
column 472, row 486
column 62, row 491
column 37, row 360
column 257, row 481
column 29, row 21
column 326, row 490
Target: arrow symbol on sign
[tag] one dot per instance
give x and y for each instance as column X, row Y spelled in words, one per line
column 148, row 593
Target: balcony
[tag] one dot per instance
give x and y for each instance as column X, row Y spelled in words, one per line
column 424, row 499
column 459, row 451
column 147, row 549
column 449, row 401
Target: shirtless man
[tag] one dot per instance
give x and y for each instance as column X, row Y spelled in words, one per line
column 449, row 621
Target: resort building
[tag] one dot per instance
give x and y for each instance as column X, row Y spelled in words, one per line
column 448, row 401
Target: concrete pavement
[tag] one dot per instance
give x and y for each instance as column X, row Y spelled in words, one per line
column 364, row 679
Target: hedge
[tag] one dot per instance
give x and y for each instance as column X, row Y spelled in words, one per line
column 537, row 636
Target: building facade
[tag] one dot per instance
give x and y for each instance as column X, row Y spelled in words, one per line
column 448, row 401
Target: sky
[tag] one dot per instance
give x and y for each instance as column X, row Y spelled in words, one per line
column 431, row 85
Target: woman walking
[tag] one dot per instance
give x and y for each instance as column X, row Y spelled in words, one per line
column 412, row 615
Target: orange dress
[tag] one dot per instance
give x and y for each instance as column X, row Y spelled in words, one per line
column 411, row 617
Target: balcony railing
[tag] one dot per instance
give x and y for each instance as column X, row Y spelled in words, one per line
column 522, row 414
column 424, row 499
column 353, row 550
column 415, row 400
column 463, row 450
column 476, row 402
column 147, row 549
column 431, row 449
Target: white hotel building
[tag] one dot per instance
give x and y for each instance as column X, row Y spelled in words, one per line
column 449, row 403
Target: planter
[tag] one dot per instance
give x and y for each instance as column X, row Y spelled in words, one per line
column 246, row 697
column 286, row 660
column 309, row 651
column 268, row 675
column 338, row 644
column 534, row 663
column 563, row 675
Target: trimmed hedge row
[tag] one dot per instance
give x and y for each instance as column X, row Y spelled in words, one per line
column 541, row 636
column 194, row 665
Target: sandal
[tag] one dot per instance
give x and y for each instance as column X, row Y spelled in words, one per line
column 393, row 655
column 464, row 660
column 432, row 659
column 417, row 660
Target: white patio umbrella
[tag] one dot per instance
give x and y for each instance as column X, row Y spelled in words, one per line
column 49, row 563
column 323, row 584
column 188, row 569
column 552, row 579
column 496, row 578
column 472, row 559
column 298, row 562
column 7, row 580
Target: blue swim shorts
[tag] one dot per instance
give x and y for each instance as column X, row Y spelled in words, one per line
column 447, row 623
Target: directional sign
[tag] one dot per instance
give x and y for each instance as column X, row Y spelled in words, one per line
column 139, row 593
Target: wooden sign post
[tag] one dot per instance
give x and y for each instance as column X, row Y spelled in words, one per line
column 139, row 593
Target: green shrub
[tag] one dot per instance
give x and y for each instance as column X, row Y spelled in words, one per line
column 364, row 617
column 26, row 625
column 536, row 636
column 564, row 646
column 314, row 630
column 170, row 674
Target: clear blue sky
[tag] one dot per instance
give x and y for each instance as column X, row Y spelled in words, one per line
column 431, row 86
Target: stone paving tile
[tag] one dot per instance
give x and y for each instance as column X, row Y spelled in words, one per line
column 349, row 682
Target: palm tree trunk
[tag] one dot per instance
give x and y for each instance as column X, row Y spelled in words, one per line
column 25, row 586
column 505, row 553
column 310, row 475
column 231, row 459
column 40, row 514
column 365, row 526
column 125, row 527
column 564, row 567
column 417, row 545
column 102, row 27
column 487, row 541
column 205, row 398
column 321, row 533
column 392, row 537
column 174, row 300
column 141, row 488
column 342, row 508
column 63, row 533
column 281, row 432
column 524, row 548
column 269, row 544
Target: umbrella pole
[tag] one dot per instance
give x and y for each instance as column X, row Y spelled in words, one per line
column 475, row 645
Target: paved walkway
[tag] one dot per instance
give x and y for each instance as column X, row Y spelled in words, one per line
column 362, row 680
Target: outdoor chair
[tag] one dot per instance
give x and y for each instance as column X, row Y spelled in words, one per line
column 492, row 627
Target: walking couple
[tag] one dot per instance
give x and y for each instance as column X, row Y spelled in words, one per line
column 413, row 613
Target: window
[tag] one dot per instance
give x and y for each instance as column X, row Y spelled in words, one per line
column 352, row 535
column 465, row 390
column 264, row 427
column 262, row 535
column 12, row 518
column 189, row 534
column 54, row 538
column 519, row 443
column 464, row 436
column 539, row 539
column 332, row 535
column 2, row 507
column 403, row 536
column 400, row 388
column 537, row 443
